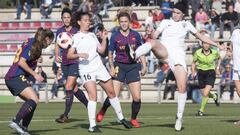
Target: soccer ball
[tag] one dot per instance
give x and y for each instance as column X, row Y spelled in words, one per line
column 64, row 40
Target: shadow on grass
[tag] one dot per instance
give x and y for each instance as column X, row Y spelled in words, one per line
column 106, row 126
column 71, row 120
column 38, row 132
column 229, row 121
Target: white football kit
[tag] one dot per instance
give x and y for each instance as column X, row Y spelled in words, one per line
column 173, row 37
column 235, row 39
column 91, row 69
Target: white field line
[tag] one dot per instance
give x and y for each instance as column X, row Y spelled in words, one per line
column 142, row 118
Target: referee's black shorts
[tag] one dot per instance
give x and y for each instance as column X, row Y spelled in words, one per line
column 206, row 77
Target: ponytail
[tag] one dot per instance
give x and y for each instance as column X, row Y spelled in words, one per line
column 39, row 42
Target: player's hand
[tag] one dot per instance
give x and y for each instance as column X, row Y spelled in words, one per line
column 58, row 59
column 104, row 34
column 83, row 56
column 112, row 71
column 143, row 71
column 38, row 77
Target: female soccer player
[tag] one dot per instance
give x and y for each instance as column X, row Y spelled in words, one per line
column 171, row 48
column 125, row 69
column 91, row 69
column 205, row 59
column 235, row 39
column 69, row 68
column 23, row 66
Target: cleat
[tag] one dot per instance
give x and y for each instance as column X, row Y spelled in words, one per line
column 100, row 116
column 216, row 100
column 178, row 124
column 237, row 123
column 62, row 119
column 135, row 123
column 26, row 132
column 126, row 123
column 118, row 121
column 199, row 113
column 16, row 127
column 94, row 129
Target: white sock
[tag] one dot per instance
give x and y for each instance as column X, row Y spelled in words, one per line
column 181, row 104
column 92, row 112
column 117, row 107
column 143, row 49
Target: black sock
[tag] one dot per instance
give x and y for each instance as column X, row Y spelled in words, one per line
column 106, row 104
column 68, row 102
column 136, row 105
column 81, row 97
column 26, row 121
column 28, row 107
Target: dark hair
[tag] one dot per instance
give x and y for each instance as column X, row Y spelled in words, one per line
column 66, row 10
column 180, row 6
column 39, row 42
column 79, row 15
column 124, row 14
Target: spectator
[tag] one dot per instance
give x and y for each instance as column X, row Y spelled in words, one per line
column 228, row 3
column 162, row 73
column 151, row 59
column 58, row 83
column 195, row 5
column 46, row 8
column 213, row 23
column 193, row 89
column 217, row 5
column 24, row 5
column 158, row 16
column 134, row 20
column 201, row 19
column 237, row 7
column 43, row 84
column 84, row 6
column 149, row 18
column 227, row 82
column 229, row 20
column 170, row 86
column 166, row 8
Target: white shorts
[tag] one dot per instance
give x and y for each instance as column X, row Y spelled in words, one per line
column 176, row 57
column 236, row 75
column 99, row 75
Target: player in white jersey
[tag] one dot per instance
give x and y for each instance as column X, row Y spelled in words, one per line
column 235, row 39
column 91, row 69
column 171, row 49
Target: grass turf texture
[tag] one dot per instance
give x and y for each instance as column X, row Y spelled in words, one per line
column 155, row 120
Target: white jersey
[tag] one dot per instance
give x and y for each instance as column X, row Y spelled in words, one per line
column 174, row 33
column 173, row 37
column 235, row 39
column 87, row 43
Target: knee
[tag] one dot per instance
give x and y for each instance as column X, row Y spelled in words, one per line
column 205, row 94
column 35, row 99
column 137, row 99
column 111, row 94
column 68, row 86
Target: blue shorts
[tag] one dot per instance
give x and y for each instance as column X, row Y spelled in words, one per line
column 127, row 72
column 17, row 84
column 70, row 70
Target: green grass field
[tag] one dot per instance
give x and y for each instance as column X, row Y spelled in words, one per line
column 155, row 120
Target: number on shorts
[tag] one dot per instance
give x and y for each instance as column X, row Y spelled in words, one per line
column 87, row 77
